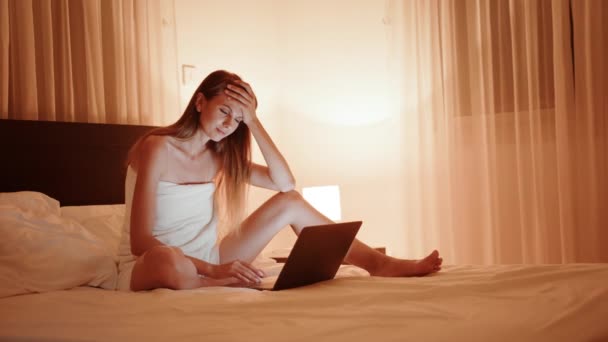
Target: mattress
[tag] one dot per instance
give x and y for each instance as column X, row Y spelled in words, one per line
column 461, row 303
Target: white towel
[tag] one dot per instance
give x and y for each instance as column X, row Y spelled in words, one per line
column 184, row 218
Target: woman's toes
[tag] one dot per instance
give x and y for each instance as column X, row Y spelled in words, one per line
column 432, row 257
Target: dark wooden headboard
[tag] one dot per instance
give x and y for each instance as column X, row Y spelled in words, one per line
column 75, row 163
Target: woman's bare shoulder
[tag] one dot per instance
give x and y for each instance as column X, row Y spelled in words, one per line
column 151, row 153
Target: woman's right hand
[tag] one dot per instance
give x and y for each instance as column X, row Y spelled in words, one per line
column 239, row 270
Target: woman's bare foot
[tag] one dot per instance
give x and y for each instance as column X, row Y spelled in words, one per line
column 393, row 267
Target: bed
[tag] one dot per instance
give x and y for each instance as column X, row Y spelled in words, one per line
column 61, row 195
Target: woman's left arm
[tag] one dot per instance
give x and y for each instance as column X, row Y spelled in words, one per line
column 277, row 175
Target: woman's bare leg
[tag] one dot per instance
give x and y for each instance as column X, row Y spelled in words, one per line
column 291, row 209
column 168, row 267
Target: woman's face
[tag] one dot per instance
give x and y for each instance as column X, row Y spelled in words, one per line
column 219, row 117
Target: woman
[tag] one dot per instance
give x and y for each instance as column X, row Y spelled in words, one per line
column 170, row 237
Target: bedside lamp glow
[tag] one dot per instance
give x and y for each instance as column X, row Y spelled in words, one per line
column 325, row 199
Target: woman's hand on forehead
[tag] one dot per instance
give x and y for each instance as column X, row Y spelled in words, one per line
column 242, row 95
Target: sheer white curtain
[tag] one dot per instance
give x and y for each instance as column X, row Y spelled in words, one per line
column 110, row 61
column 505, row 117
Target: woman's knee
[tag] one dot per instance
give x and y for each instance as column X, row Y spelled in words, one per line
column 290, row 197
column 160, row 255
column 167, row 266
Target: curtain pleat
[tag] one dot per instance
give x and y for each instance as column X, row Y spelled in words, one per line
column 4, row 57
column 22, row 74
column 93, row 54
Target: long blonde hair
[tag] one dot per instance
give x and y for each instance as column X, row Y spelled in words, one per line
column 234, row 152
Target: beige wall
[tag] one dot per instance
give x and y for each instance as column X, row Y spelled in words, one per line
column 320, row 71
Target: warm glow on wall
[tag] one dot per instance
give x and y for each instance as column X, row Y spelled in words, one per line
column 325, row 199
column 334, row 70
column 341, row 98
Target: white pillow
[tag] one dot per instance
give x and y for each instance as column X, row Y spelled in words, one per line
column 30, row 201
column 103, row 221
column 42, row 252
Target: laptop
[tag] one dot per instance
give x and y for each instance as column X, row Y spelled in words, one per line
column 316, row 256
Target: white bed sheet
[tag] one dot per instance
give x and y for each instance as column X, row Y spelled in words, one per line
column 461, row 303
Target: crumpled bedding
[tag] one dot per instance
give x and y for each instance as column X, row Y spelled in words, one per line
column 460, row 303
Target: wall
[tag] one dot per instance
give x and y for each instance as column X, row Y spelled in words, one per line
column 320, row 71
